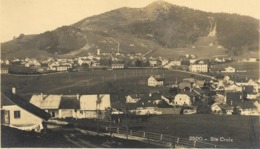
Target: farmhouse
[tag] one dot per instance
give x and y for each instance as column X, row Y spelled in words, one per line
column 133, row 98
column 245, row 107
column 229, row 69
column 184, row 98
column 199, row 66
column 76, row 106
column 93, row 105
column 118, row 66
column 19, row 113
column 186, row 84
column 4, row 70
column 221, row 109
column 249, row 91
column 153, row 62
column 155, row 81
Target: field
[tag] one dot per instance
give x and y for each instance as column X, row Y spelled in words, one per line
column 114, row 81
column 202, row 52
column 243, row 130
column 253, row 69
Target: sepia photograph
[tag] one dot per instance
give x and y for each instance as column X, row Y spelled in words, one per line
column 130, row 74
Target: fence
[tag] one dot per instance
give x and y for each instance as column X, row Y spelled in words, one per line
column 163, row 139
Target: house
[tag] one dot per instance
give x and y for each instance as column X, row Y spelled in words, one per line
column 49, row 103
column 248, row 108
column 148, row 104
column 243, row 106
column 221, row 109
column 252, row 59
column 62, row 68
column 19, row 113
column 90, row 105
column 249, row 91
column 229, row 69
column 232, row 87
column 186, row 84
column 4, row 70
column 233, row 98
column 133, row 98
column 75, row 106
column 184, row 98
column 155, row 81
column 198, row 66
column 69, row 106
column 118, row 66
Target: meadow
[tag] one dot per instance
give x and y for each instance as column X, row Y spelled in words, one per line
column 202, row 52
column 253, row 69
column 243, row 130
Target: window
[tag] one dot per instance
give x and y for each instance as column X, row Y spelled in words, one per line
column 17, row 114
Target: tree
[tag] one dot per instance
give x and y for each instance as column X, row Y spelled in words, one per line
column 108, row 116
column 98, row 112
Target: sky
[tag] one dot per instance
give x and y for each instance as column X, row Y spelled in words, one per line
column 37, row 16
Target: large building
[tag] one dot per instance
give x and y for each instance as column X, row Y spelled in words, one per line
column 155, row 81
column 18, row 113
column 76, row 106
column 199, row 66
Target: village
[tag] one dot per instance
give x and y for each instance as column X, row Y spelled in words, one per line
column 208, row 90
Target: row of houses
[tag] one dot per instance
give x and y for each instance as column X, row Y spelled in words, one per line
column 33, row 114
column 73, row 106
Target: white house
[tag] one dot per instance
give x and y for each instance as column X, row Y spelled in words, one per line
column 133, row 98
column 19, row 113
column 199, row 66
column 155, row 81
column 221, row 109
column 182, row 99
column 90, row 104
column 76, row 106
column 252, row 59
column 229, row 69
column 4, row 71
column 118, row 66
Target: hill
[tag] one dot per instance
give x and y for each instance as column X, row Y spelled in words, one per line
column 157, row 26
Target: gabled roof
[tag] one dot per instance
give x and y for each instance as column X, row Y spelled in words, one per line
column 17, row 100
column 157, row 78
column 69, row 102
column 188, row 93
column 249, row 89
column 235, row 97
column 46, row 101
column 89, row 102
column 225, row 107
column 247, row 105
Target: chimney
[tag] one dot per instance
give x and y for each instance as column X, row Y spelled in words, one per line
column 13, row 90
column 41, row 96
column 77, row 96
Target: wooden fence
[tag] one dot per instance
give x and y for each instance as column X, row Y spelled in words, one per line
column 163, row 139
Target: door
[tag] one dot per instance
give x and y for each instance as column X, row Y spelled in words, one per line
column 5, row 119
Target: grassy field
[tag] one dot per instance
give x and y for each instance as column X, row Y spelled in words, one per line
column 114, row 81
column 244, row 130
column 253, row 69
column 203, row 52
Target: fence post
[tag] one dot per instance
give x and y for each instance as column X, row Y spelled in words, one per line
column 161, row 137
column 144, row 135
column 117, row 130
column 194, row 144
column 178, row 139
column 130, row 132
